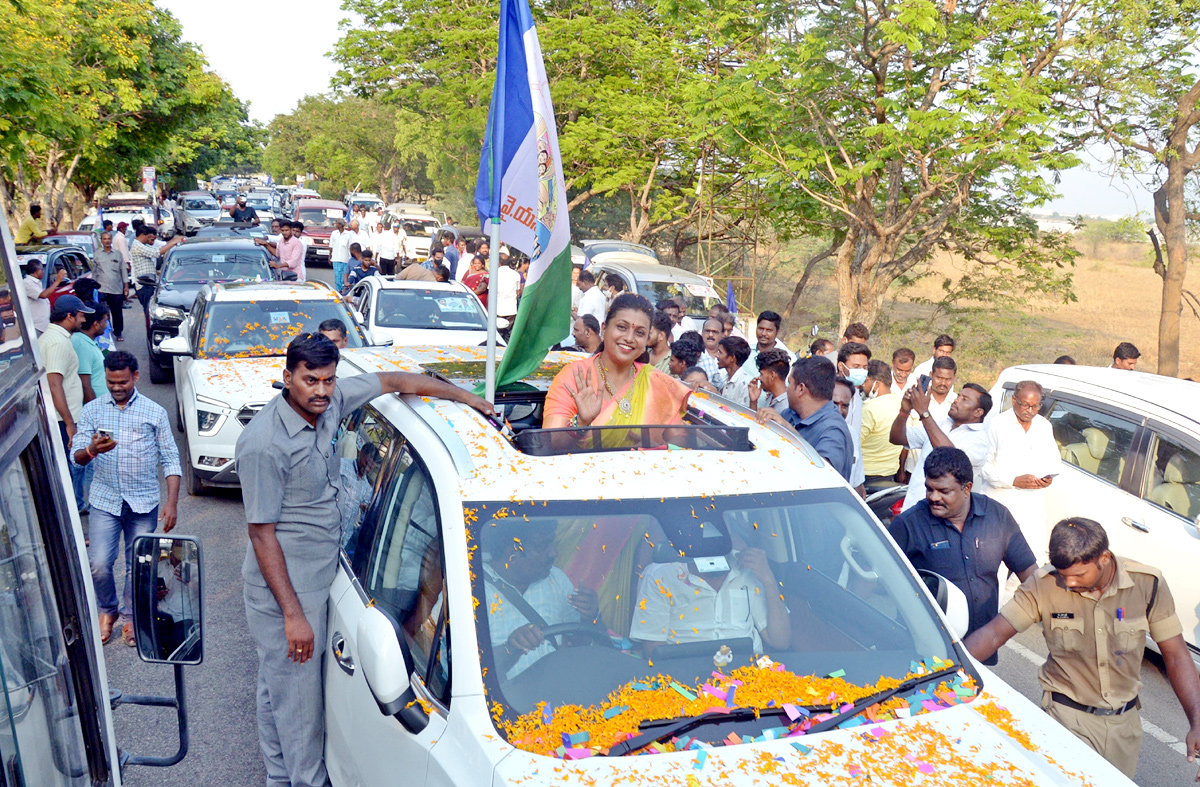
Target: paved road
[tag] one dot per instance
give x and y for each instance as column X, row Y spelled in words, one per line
column 224, row 742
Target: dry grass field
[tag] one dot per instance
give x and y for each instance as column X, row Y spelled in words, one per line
column 1117, row 292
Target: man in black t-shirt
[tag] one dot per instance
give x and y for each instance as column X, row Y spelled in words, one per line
column 243, row 212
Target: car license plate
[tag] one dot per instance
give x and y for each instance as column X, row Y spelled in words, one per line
column 322, row 252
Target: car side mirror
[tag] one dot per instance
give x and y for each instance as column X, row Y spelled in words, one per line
column 386, row 664
column 168, row 613
column 358, row 316
column 378, row 338
column 951, row 600
column 176, row 345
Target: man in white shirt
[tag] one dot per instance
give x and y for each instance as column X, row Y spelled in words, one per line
column 902, row 370
column 943, row 347
column 732, row 352
column 592, row 300
column 387, row 247
column 1023, row 460
column 339, row 251
column 37, row 297
column 508, row 287
column 766, row 334
column 852, row 360
column 962, row 428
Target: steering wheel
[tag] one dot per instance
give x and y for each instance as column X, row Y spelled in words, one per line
column 559, row 629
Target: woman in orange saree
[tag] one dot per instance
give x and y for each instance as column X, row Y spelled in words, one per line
column 613, row 388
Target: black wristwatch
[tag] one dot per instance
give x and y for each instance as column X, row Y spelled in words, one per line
column 923, row 415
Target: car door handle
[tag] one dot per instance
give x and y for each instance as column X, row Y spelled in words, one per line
column 339, row 654
column 1136, row 525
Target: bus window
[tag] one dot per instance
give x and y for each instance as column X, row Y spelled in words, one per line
column 41, row 735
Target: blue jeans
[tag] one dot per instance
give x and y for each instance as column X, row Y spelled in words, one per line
column 104, row 539
column 339, row 275
column 80, row 476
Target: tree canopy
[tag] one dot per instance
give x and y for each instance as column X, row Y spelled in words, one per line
column 94, row 89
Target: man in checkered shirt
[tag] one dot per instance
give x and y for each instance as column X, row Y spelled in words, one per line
column 129, row 438
column 143, row 262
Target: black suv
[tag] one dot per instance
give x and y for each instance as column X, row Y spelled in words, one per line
column 188, row 268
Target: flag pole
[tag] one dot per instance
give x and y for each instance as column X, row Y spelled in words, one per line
column 496, row 149
column 493, row 264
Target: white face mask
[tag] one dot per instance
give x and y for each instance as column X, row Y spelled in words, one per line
column 856, row 376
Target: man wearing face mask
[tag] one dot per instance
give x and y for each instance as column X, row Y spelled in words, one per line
column 881, row 458
column 852, row 360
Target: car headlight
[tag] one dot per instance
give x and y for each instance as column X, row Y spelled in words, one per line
column 166, row 313
column 206, row 421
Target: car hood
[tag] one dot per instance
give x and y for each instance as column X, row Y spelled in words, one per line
column 237, row 381
column 999, row 738
column 421, row 337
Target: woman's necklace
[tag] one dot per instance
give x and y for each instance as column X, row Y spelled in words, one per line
column 624, row 405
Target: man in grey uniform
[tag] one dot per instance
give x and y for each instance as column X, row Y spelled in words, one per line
column 290, row 475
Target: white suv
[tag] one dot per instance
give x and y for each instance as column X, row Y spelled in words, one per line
column 420, row 312
column 228, row 355
column 445, row 516
column 1130, row 444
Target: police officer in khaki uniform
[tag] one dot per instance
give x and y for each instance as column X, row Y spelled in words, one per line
column 1095, row 610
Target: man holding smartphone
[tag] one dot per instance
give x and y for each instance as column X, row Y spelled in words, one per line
column 129, row 438
column 1023, row 460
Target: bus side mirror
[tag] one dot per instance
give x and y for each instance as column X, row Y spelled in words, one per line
column 168, row 597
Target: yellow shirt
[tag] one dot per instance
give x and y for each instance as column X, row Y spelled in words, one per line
column 880, row 457
column 28, row 229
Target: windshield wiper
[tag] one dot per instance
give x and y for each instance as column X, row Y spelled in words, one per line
column 678, row 726
column 882, row 696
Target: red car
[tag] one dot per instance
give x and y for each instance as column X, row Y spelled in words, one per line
column 318, row 216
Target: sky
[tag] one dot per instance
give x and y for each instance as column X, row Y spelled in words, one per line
column 286, row 59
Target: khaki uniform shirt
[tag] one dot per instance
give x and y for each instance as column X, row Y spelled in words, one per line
column 1096, row 659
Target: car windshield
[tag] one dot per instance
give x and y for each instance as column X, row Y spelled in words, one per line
column 429, row 309
column 257, row 203
column 319, row 217
column 200, row 203
column 418, row 227
column 195, row 267
column 600, row 247
column 679, row 587
column 698, row 297
column 246, row 329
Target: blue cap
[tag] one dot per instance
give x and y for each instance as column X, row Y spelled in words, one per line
column 71, row 304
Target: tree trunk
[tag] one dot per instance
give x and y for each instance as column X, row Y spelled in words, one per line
column 1170, row 217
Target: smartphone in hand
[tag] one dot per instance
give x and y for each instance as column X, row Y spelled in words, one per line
column 924, row 381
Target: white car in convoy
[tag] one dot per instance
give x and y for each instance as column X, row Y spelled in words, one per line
column 227, row 356
column 445, row 513
column 1130, row 444
column 420, row 312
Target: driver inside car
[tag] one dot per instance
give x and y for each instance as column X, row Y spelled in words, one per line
column 526, row 593
column 711, row 599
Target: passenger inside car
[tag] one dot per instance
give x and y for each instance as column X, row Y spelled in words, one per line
column 710, row 597
column 525, row 593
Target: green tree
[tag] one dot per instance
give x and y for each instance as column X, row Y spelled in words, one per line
column 348, row 141
column 620, row 74
column 1145, row 103
column 897, row 127
column 112, row 82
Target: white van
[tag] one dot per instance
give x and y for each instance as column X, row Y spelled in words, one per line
column 1130, row 444
column 822, row 655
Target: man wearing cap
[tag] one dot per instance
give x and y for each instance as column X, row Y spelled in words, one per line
column 1096, row 610
column 243, row 212
column 62, row 364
